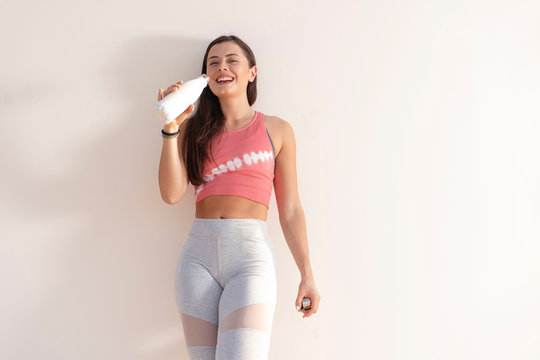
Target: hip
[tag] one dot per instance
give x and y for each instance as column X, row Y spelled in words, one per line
column 229, row 242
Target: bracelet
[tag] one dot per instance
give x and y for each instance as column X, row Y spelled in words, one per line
column 167, row 135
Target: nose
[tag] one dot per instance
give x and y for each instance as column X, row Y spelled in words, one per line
column 222, row 66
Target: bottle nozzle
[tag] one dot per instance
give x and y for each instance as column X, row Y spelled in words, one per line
column 206, row 77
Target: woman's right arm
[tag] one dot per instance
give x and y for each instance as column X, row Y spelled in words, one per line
column 172, row 176
column 173, row 180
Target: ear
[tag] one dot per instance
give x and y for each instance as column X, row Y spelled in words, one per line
column 253, row 72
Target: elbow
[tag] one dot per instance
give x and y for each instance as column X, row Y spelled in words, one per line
column 173, row 199
column 287, row 213
column 170, row 201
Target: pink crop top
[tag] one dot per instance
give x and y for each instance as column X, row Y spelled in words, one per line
column 245, row 164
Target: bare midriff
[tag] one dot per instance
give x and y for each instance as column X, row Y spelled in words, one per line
column 230, row 207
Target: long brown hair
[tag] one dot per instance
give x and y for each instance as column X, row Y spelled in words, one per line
column 208, row 120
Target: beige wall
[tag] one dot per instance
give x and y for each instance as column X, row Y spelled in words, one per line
column 418, row 167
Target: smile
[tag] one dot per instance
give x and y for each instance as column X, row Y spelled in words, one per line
column 224, row 82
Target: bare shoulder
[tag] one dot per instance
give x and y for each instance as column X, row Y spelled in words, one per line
column 280, row 131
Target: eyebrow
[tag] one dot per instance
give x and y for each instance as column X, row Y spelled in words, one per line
column 211, row 57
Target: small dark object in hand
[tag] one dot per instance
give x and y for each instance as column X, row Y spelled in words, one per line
column 306, row 304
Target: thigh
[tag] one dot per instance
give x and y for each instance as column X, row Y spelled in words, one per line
column 246, row 314
column 248, row 301
column 247, row 269
column 196, row 289
column 197, row 296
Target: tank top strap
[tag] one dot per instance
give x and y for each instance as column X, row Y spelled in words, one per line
column 260, row 121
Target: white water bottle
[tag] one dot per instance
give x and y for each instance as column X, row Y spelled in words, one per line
column 175, row 103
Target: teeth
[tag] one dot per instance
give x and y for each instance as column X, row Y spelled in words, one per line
column 224, row 79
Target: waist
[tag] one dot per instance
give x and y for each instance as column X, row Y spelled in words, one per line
column 223, row 229
column 230, row 207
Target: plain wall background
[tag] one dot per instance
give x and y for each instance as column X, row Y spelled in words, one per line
column 418, row 168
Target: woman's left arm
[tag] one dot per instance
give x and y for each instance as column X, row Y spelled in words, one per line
column 291, row 217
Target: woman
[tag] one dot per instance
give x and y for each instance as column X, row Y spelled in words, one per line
column 232, row 154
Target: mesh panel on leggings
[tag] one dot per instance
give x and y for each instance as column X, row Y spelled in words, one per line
column 201, row 337
column 244, row 334
column 198, row 331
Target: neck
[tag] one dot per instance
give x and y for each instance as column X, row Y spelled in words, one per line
column 236, row 111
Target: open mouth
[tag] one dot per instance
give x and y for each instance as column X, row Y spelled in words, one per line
column 224, row 82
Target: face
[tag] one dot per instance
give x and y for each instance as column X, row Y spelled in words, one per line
column 236, row 66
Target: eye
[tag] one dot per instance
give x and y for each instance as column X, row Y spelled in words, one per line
column 212, row 63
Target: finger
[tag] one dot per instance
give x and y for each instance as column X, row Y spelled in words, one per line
column 308, row 313
column 189, row 109
column 298, row 302
column 311, row 310
column 315, row 304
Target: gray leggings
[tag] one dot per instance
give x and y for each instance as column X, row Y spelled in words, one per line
column 226, row 289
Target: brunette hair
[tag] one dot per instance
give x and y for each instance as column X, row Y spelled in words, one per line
column 208, row 120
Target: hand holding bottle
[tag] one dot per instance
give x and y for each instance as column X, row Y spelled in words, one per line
column 173, row 126
column 178, row 100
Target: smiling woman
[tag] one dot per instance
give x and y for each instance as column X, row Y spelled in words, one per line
column 233, row 155
column 223, row 78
